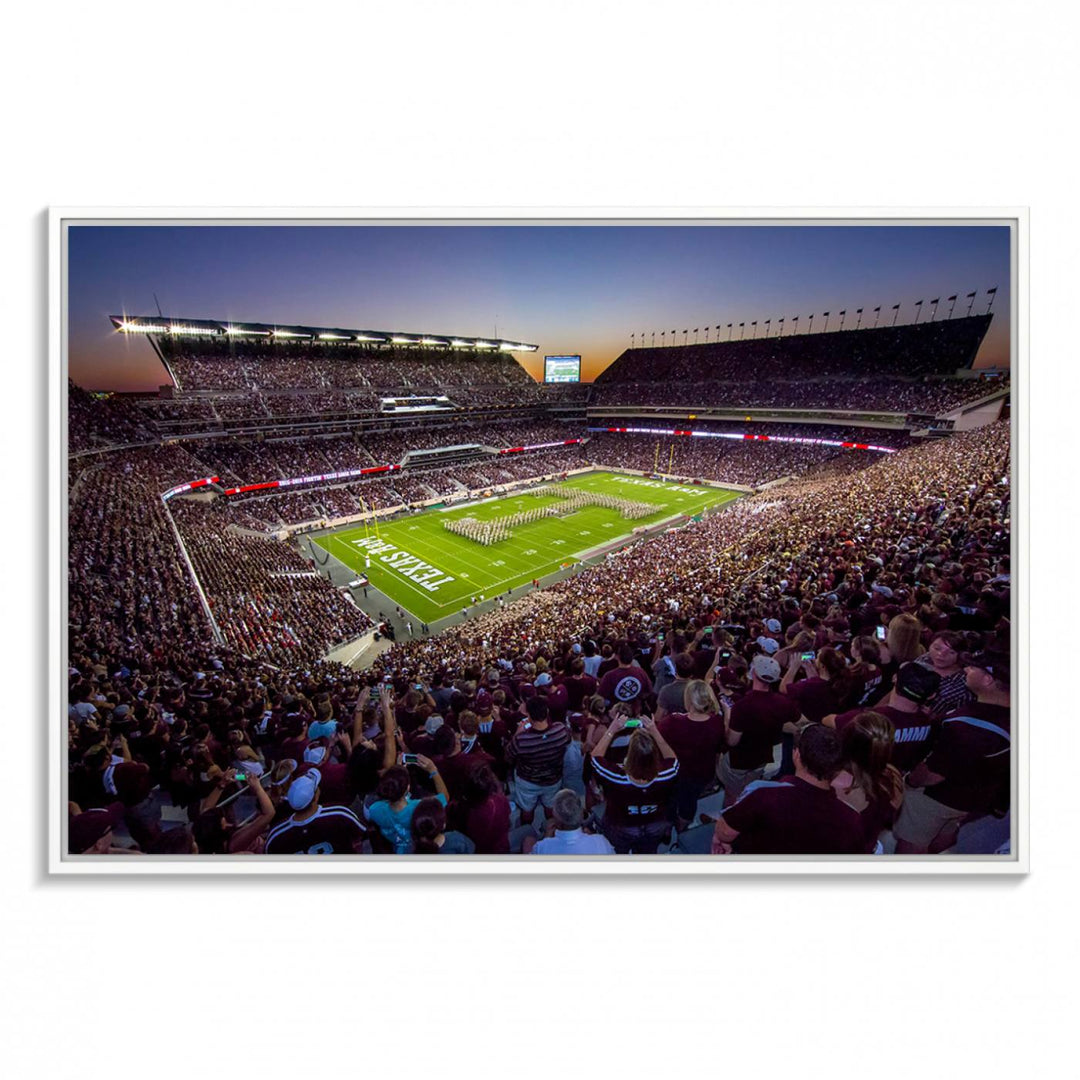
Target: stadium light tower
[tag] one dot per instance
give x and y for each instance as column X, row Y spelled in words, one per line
column 918, row 311
column 767, row 321
column 895, row 313
column 843, row 315
column 933, row 308
column 663, row 338
column 858, row 322
column 991, row 293
column 672, row 337
column 795, row 325
column 706, row 335
column 811, row 330
column 685, row 335
column 741, row 331
column 952, row 304
column 781, row 334
column 729, row 331
column 971, row 298
column 631, row 340
column 826, row 330
column 654, row 339
column 754, row 325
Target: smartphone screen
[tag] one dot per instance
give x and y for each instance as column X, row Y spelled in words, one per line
column 880, row 632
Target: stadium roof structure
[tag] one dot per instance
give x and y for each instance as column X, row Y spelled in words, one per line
column 170, row 328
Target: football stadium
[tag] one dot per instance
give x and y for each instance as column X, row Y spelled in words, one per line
column 354, row 591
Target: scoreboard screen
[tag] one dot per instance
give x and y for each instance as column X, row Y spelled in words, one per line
column 562, row 369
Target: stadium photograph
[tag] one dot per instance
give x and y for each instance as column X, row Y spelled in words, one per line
column 628, row 543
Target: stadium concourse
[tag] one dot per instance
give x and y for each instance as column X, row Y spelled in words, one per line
column 821, row 666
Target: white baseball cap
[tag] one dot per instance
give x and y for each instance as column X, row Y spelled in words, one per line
column 302, row 789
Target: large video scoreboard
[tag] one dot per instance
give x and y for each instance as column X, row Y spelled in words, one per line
column 562, row 369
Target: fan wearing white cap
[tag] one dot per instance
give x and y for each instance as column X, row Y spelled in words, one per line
column 756, row 724
column 313, row 829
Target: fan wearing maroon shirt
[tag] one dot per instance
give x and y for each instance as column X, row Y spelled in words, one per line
column 639, row 793
column 313, row 829
column 457, row 754
column 578, row 685
column 867, row 668
column 906, row 707
column 800, row 815
column 555, row 694
column 696, row 734
column 867, row 782
column 485, row 813
column 110, row 776
column 627, row 682
column 756, row 725
column 967, row 773
column 827, row 688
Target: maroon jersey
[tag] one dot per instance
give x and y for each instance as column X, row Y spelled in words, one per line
column 627, row 803
column 455, row 770
column 815, row 697
column 128, row 782
column 331, row 830
column 625, row 684
column 759, row 717
column 792, row 817
column 578, row 688
column 871, row 684
column 972, row 754
column 488, row 825
column 695, row 742
column 915, row 733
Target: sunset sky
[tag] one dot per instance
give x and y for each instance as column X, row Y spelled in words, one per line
column 568, row 289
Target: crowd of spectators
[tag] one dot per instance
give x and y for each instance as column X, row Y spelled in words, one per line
column 100, row 420
column 930, row 396
column 910, row 351
column 237, row 365
column 830, row 657
column 266, row 599
column 749, row 463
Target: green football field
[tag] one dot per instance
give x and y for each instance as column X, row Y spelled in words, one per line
column 433, row 573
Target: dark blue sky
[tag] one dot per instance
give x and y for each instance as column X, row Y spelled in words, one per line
column 574, row 289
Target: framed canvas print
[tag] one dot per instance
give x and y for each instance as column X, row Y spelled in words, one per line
column 555, row 542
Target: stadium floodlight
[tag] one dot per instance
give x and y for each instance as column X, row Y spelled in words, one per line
column 205, row 330
column 334, row 337
column 368, row 337
column 142, row 328
column 431, row 341
column 402, row 341
column 457, row 343
column 246, row 332
column 290, row 334
column 484, row 344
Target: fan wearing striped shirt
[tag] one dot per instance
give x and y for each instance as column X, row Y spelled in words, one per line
column 639, row 794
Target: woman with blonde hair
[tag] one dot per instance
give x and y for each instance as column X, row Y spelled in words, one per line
column 903, row 643
column 697, row 736
column 903, row 639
